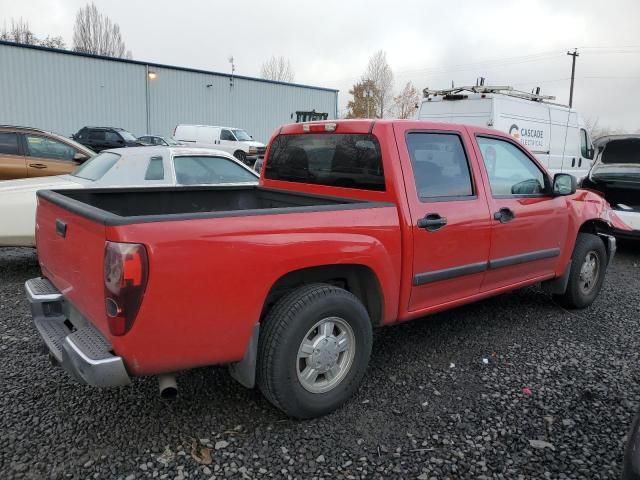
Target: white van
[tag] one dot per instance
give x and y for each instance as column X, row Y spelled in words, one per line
column 554, row 133
column 233, row 140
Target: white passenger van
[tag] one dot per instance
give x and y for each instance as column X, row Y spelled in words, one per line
column 233, row 140
column 554, row 133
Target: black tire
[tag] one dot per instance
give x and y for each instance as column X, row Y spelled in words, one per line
column 240, row 155
column 575, row 296
column 282, row 332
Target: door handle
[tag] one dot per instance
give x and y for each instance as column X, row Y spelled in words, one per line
column 432, row 222
column 37, row 165
column 573, row 162
column 504, row 215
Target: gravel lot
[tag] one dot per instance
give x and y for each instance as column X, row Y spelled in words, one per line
column 430, row 406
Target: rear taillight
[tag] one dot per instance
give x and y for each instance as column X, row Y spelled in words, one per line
column 125, row 279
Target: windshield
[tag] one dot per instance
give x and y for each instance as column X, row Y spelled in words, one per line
column 622, row 151
column 241, row 135
column 171, row 141
column 95, row 168
column 127, row 136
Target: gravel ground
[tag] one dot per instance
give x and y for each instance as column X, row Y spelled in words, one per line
column 445, row 397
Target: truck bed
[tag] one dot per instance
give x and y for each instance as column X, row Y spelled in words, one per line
column 139, row 205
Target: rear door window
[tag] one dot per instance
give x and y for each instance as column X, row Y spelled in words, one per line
column 96, row 135
column 9, row 143
column 440, row 165
column 332, row 159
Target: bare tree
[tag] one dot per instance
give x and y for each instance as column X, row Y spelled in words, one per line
column 96, row 33
column 53, row 42
column 379, row 72
column 406, row 101
column 18, row 32
column 277, row 68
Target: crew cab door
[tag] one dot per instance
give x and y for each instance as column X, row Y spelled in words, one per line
column 449, row 214
column 529, row 225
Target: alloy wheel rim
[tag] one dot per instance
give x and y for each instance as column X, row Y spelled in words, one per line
column 325, row 355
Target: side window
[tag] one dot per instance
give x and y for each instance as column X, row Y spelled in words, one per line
column 510, row 170
column 97, row 135
column 155, row 169
column 440, row 165
column 82, row 134
column 585, row 147
column 227, row 135
column 111, row 137
column 9, row 143
column 48, row 148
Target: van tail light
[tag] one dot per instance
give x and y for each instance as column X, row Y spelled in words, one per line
column 126, row 269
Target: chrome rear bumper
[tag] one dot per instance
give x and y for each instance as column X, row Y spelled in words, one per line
column 80, row 349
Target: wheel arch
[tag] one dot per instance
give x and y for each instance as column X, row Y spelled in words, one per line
column 358, row 279
column 598, row 227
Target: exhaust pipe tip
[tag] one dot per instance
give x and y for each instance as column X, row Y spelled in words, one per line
column 168, row 387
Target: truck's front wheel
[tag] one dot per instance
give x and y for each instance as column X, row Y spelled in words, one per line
column 314, row 349
column 588, row 267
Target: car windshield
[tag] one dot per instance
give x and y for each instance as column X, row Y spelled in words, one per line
column 171, row 141
column 241, row 135
column 129, row 137
column 95, row 168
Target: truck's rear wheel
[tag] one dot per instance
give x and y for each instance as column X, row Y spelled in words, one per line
column 313, row 351
column 588, row 267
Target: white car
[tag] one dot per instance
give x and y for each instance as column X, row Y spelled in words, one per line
column 120, row 167
column 232, row 140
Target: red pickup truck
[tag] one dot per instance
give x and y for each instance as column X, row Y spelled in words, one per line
column 354, row 225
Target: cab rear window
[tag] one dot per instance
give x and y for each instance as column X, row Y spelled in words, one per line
column 332, row 159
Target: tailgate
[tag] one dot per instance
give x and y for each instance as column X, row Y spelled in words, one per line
column 71, row 252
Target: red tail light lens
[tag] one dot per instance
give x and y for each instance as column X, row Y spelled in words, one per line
column 125, row 279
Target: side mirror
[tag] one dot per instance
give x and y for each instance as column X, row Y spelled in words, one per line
column 590, row 152
column 564, row 184
column 80, row 157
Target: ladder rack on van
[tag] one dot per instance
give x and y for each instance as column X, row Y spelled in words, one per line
column 456, row 93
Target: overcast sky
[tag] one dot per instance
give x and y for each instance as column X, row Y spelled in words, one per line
column 518, row 43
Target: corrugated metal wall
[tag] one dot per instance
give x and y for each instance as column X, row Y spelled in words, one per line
column 63, row 92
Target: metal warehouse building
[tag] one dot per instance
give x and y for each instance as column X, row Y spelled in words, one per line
column 62, row 91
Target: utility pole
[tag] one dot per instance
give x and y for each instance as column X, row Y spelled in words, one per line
column 574, row 54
